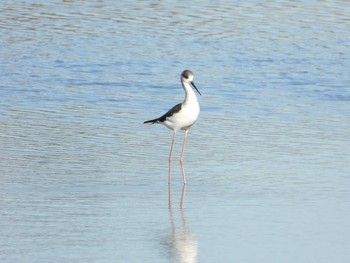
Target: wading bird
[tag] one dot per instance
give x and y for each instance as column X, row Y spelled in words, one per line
column 182, row 116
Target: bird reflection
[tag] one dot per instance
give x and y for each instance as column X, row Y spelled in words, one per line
column 183, row 245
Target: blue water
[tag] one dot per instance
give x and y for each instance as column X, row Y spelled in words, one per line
column 267, row 163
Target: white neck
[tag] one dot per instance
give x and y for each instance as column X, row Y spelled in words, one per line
column 190, row 95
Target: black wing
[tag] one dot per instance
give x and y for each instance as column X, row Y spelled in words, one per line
column 171, row 112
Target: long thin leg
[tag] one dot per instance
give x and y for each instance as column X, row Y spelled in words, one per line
column 183, row 197
column 170, row 156
column 169, row 198
column 181, row 157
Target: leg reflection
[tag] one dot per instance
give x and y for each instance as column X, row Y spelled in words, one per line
column 183, row 244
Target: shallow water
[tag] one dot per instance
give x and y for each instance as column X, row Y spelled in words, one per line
column 83, row 180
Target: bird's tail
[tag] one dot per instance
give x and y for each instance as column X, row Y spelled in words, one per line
column 152, row 121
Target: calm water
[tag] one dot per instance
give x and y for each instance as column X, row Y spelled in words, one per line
column 268, row 164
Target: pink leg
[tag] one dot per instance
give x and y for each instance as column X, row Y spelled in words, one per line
column 181, row 157
column 169, row 199
column 183, row 196
column 170, row 156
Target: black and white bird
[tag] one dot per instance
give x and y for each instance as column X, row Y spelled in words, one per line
column 182, row 116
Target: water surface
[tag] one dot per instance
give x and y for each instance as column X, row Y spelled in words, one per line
column 83, row 180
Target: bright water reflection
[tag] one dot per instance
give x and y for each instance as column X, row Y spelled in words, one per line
column 82, row 180
column 182, row 243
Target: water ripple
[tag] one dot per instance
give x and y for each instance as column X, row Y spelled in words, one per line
column 84, row 180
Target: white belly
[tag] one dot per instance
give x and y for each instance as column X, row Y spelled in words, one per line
column 183, row 119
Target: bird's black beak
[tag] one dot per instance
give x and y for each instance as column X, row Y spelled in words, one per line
column 194, row 86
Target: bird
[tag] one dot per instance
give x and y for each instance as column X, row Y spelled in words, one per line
column 181, row 117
